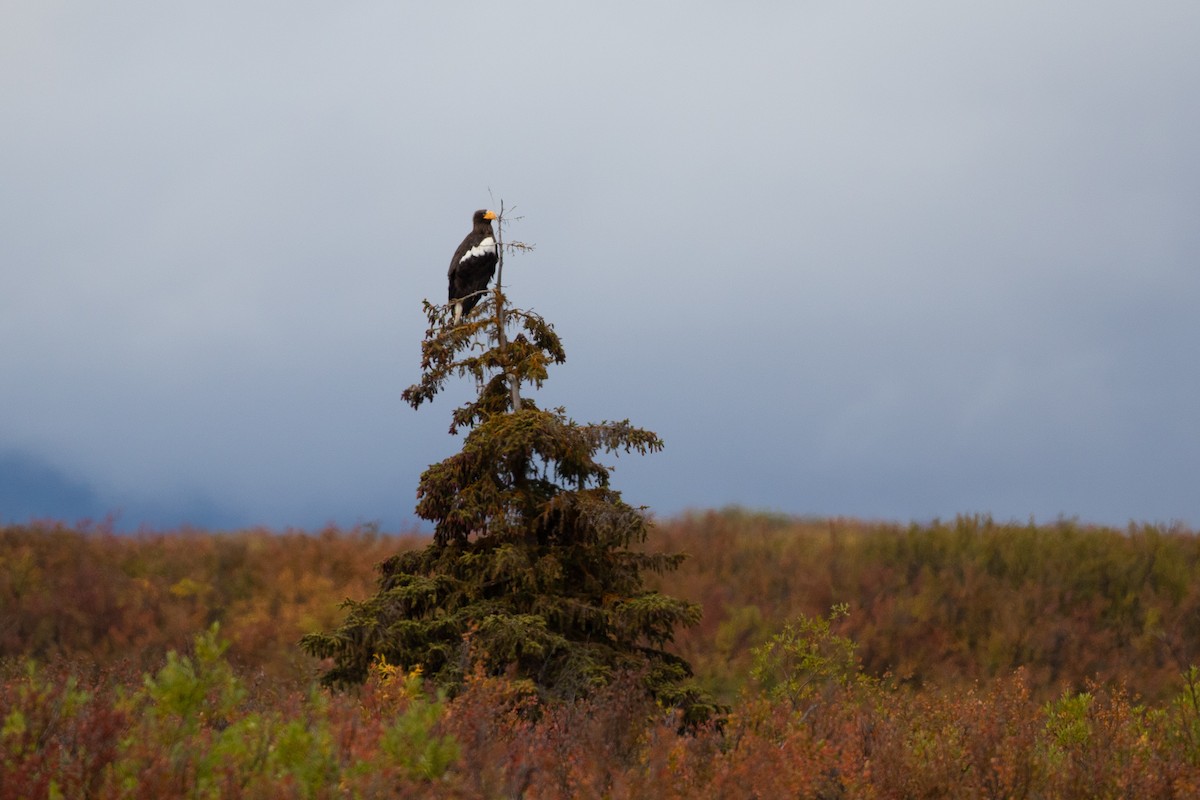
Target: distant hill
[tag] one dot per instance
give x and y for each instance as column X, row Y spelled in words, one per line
column 31, row 487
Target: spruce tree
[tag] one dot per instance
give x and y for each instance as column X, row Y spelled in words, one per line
column 535, row 566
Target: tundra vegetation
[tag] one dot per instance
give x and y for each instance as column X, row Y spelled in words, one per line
column 963, row 658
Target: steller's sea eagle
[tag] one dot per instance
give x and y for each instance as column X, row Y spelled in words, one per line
column 473, row 264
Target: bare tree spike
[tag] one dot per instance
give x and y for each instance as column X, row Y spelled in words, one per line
column 514, row 383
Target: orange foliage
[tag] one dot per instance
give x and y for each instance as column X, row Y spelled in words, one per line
column 996, row 661
column 92, row 596
column 946, row 604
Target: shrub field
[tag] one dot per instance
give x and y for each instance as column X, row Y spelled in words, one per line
column 966, row 658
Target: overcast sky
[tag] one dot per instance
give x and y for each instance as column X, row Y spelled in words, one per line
column 888, row 260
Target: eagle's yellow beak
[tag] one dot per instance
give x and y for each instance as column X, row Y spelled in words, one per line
column 490, row 215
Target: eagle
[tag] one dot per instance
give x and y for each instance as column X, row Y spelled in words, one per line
column 473, row 264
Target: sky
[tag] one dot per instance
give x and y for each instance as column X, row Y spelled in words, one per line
column 891, row 261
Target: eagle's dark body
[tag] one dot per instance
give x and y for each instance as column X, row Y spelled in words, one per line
column 473, row 264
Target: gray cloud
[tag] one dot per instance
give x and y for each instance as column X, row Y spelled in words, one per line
column 889, row 262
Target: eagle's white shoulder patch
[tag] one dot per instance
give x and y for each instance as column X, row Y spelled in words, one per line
column 488, row 245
